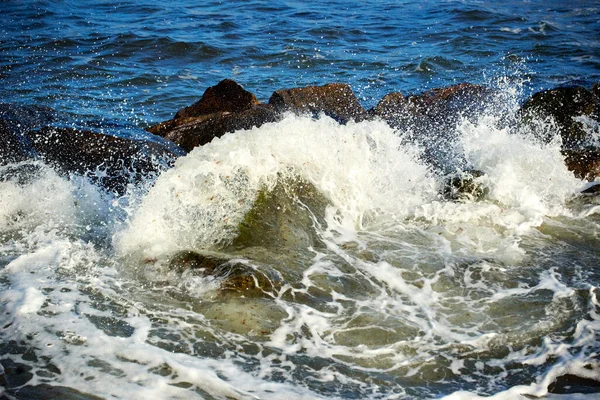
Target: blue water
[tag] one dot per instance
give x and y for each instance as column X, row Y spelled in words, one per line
column 143, row 60
column 380, row 288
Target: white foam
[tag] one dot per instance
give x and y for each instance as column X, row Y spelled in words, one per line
column 362, row 168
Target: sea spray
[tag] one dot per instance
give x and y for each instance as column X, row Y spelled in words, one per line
column 362, row 168
column 407, row 294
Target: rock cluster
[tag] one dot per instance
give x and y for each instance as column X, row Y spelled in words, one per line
column 27, row 132
column 31, row 132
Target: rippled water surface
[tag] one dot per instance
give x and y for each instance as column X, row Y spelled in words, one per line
column 146, row 59
column 303, row 259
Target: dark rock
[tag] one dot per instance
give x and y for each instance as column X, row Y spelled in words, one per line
column 78, row 151
column 430, row 119
column 568, row 384
column 335, row 100
column 235, row 277
column 596, row 93
column 223, row 108
column 463, row 98
column 11, row 147
column 592, row 189
column 562, row 104
column 191, row 260
column 14, row 374
column 462, row 186
column 49, row 392
column 197, row 131
column 226, row 96
column 584, row 163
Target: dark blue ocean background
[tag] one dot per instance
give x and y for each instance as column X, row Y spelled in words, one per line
column 410, row 295
column 141, row 61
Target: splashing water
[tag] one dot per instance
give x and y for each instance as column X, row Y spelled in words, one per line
column 391, row 291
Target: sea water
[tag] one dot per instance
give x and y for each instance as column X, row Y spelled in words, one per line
column 371, row 284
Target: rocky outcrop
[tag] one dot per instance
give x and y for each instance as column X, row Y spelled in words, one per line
column 335, row 100
column 111, row 161
column 191, row 132
column 430, row 118
column 563, row 105
column 120, row 160
column 566, row 106
column 226, row 96
column 227, row 107
column 443, row 105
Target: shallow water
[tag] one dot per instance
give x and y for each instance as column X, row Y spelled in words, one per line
column 343, row 273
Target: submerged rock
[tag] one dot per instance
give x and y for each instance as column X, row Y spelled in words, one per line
column 336, row 100
column 236, row 277
column 570, row 384
column 283, row 217
column 13, row 385
column 563, row 105
column 463, row 186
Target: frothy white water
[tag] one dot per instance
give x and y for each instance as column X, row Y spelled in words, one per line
column 407, row 295
column 361, row 168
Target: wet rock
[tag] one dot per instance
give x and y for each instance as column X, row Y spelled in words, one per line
column 592, row 189
column 430, row 119
column 15, row 121
column 197, row 131
column 79, row 151
column 563, row 105
column 390, row 105
column 226, row 96
column 283, row 217
column 241, row 279
column 461, row 99
column 336, row 100
column 236, row 277
column 584, row 163
column 191, row 260
column 463, row 186
column 568, row 384
column 225, row 107
column 11, row 147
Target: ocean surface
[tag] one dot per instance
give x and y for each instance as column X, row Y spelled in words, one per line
column 367, row 284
